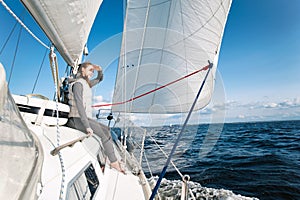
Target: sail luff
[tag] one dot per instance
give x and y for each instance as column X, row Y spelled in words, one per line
column 122, row 57
column 216, row 60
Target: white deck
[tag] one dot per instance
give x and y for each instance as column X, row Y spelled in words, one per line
column 113, row 184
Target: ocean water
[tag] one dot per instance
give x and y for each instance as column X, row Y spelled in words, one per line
column 259, row 160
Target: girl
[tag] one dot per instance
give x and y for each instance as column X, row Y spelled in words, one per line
column 80, row 116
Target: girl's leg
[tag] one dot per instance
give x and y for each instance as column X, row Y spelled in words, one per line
column 103, row 132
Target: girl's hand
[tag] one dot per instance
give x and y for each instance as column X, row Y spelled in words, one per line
column 89, row 131
column 97, row 68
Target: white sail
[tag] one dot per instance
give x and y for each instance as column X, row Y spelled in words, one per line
column 21, row 154
column 67, row 23
column 164, row 41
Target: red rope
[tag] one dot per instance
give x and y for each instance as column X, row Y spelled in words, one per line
column 151, row 91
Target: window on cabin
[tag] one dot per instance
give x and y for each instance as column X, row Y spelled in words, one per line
column 85, row 185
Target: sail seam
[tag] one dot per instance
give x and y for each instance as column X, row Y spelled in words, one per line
column 202, row 26
column 184, row 44
column 141, row 49
column 162, row 50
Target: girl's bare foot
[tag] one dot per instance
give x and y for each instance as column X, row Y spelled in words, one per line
column 116, row 165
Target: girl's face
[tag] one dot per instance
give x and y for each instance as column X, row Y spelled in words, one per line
column 88, row 71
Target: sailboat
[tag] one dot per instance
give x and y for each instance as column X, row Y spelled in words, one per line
column 167, row 64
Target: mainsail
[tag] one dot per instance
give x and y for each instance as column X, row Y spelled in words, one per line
column 165, row 41
column 67, row 23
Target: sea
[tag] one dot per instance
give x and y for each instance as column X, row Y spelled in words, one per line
column 253, row 160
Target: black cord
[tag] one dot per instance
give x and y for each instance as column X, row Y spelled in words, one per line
column 38, row 75
column 15, row 55
column 11, row 32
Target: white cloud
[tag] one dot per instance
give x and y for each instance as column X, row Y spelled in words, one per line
column 285, row 104
column 263, row 110
column 235, row 112
column 241, row 116
column 292, row 103
column 206, row 111
column 270, row 105
column 97, row 99
column 104, row 110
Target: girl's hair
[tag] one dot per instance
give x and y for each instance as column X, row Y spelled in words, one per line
column 79, row 73
column 84, row 65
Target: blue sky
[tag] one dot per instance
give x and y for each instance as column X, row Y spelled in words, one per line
column 259, row 62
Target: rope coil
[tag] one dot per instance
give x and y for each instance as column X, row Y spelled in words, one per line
column 53, row 65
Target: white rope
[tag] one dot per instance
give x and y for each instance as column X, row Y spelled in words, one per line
column 142, row 148
column 22, row 24
column 148, row 164
column 166, row 155
column 190, row 190
column 192, row 194
column 125, row 144
column 53, row 63
column 143, row 152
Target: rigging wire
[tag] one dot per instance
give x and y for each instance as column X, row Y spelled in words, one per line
column 148, row 164
column 38, row 75
column 163, row 172
column 173, row 164
column 180, row 174
column 10, row 34
column 15, row 55
column 22, row 24
column 143, row 146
